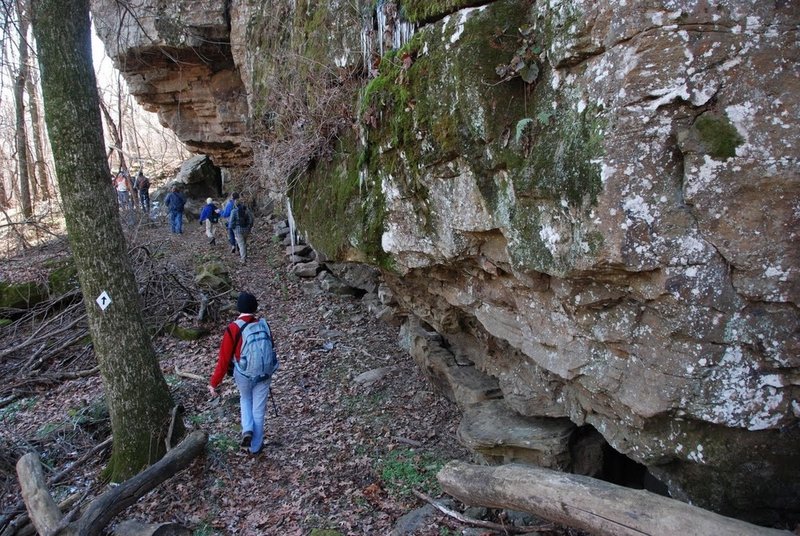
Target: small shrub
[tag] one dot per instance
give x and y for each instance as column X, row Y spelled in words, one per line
column 222, row 443
column 9, row 413
column 405, row 470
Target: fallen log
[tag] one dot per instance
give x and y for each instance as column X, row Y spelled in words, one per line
column 586, row 503
column 134, row 528
column 46, row 516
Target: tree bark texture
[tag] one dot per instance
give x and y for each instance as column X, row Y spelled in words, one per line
column 136, row 393
column 601, row 508
column 19, row 106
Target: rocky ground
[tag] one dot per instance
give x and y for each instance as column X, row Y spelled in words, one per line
column 343, row 454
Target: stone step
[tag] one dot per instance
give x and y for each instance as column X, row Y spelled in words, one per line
column 463, row 384
column 501, row 435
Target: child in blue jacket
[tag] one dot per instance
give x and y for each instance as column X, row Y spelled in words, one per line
column 210, row 215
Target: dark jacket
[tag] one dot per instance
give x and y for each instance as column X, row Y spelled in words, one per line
column 241, row 217
column 175, row 202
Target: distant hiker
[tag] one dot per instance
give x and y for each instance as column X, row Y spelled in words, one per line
column 175, row 203
column 247, row 345
column 210, row 215
column 240, row 223
column 226, row 215
column 123, row 186
column 143, row 185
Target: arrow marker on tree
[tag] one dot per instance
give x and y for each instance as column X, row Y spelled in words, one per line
column 103, row 300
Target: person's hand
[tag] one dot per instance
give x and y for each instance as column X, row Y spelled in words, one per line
column 212, row 391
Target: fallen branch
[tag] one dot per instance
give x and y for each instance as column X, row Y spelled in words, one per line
column 189, row 375
column 508, row 529
column 601, row 508
column 46, row 515
column 22, row 520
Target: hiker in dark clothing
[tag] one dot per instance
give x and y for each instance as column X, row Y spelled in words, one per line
column 175, row 203
column 143, row 185
column 241, row 223
column 209, row 215
column 226, row 216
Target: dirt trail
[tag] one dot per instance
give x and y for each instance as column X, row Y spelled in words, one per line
column 340, row 456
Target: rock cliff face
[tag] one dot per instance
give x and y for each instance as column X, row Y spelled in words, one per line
column 588, row 210
column 176, row 57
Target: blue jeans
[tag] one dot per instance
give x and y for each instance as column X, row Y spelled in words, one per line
column 253, row 403
column 176, row 222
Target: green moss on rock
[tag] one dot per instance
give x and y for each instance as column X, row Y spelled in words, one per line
column 426, row 10
column 186, row 333
column 63, row 277
column 21, row 295
column 718, row 135
column 213, row 275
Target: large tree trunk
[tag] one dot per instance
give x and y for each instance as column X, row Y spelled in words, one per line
column 586, row 503
column 19, row 106
column 137, row 395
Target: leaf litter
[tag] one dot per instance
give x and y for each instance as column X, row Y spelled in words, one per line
column 321, row 467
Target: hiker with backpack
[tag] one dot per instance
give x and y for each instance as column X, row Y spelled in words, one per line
column 226, row 215
column 210, row 216
column 175, row 203
column 241, row 223
column 247, row 347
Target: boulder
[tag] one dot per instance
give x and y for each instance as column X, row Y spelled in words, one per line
column 213, row 275
column 199, row 178
column 330, row 283
column 358, row 275
column 306, row 269
column 15, row 297
column 463, row 384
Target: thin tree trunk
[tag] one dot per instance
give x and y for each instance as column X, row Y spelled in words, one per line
column 116, row 135
column 37, row 127
column 138, row 397
column 19, row 106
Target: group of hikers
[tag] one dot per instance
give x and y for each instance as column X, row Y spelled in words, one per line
column 247, row 351
column 132, row 192
column 235, row 215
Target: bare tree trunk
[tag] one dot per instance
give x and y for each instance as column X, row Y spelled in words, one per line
column 19, row 105
column 37, row 127
column 138, row 397
column 116, row 135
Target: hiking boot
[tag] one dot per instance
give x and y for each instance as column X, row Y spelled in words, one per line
column 212, row 241
column 233, row 249
column 247, row 438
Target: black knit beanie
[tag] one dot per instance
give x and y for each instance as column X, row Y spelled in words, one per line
column 246, row 303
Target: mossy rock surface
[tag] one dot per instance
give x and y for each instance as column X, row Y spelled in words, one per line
column 719, row 137
column 21, row 295
column 213, row 275
column 63, row 278
column 426, row 10
column 186, row 333
column 324, row 532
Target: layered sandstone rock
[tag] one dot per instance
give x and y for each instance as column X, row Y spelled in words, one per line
column 176, row 58
column 606, row 234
